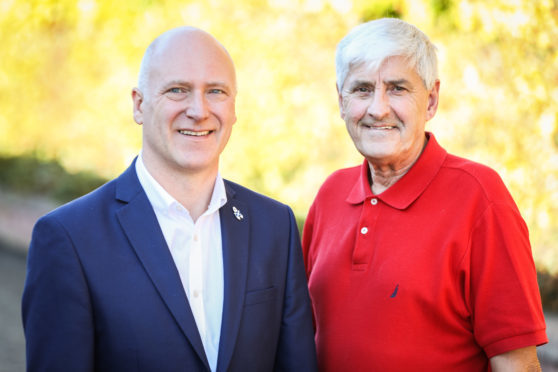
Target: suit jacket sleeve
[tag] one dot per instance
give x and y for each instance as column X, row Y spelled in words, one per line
column 296, row 348
column 56, row 308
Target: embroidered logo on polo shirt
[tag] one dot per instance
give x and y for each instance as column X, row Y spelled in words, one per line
column 395, row 291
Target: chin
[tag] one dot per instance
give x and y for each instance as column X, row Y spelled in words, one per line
column 378, row 152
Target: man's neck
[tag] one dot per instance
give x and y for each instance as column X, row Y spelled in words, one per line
column 383, row 176
column 192, row 189
column 193, row 192
column 382, row 179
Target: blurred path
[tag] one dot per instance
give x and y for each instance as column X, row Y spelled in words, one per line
column 12, row 345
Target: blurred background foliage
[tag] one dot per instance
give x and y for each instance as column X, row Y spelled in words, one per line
column 67, row 68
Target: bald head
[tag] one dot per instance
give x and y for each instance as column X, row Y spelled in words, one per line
column 187, row 37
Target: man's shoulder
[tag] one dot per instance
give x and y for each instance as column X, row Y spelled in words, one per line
column 86, row 204
column 103, row 199
column 467, row 165
column 342, row 179
column 477, row 175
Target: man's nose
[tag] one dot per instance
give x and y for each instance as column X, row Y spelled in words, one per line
column 197, row 108
column 379, row 108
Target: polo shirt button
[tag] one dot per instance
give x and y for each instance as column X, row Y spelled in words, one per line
column 373, row 201
column 364, row 230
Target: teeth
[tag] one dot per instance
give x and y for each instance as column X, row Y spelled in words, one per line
column 378, row 127
column 191, row 133
column 386, row 127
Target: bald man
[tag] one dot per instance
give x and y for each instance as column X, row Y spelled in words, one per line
column 169, row 267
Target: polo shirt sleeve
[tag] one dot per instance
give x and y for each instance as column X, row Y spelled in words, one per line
column 503, row 294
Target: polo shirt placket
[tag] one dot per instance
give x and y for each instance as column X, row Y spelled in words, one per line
column 364, row 247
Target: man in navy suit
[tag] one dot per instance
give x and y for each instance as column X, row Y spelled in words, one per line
column 169, row 267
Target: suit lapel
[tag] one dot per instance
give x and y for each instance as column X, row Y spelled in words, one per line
column 140, row 224
column 235, row 229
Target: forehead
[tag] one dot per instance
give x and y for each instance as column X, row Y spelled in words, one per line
column 390, row 69
column 192, row 59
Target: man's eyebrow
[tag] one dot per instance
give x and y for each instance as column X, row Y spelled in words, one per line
column 176, row 82
column 398, row 82
column 360, row 83
column 218, row 84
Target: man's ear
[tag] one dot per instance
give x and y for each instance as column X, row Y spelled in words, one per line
column 137, row 98
column 340, row 100
column 433, row 97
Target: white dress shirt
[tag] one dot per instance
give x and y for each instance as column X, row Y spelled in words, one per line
column 196, row 249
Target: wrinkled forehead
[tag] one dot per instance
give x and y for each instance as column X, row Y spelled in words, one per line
column 396, row 66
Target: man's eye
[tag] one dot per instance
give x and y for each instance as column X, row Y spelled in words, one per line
column 216, row 91
column 398, row 88
column 176, row 93
column 362, row 90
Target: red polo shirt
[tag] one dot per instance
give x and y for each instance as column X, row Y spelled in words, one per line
column 434, row 274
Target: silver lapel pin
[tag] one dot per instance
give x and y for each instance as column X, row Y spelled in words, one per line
column 237, row 214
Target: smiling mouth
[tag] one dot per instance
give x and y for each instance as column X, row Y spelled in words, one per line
column 376, row 127
column 195, row 134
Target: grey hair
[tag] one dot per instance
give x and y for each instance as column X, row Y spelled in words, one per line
column 373, row 42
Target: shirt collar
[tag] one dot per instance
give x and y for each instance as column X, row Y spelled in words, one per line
column 219, row 196
column 162, row 201
column 407, row 189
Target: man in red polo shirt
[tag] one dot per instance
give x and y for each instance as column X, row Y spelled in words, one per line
column 417, row 260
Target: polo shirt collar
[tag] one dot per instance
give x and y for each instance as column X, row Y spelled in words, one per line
column 407, row 189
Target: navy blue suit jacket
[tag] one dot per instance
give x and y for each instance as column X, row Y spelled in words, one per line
column 102, row 291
